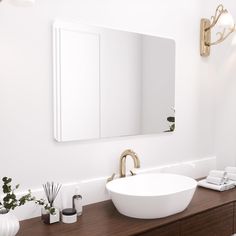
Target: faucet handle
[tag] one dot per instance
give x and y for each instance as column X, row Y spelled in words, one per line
column 132, row 172
column 111, row 178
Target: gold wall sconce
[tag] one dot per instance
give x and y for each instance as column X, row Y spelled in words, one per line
column 223, row 18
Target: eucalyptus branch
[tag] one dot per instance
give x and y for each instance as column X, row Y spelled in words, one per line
column 10, row 201
column 46, row 206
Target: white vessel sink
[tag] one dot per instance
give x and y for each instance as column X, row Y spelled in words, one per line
column 150, row 196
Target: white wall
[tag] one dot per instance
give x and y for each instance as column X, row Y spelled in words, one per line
column 28, row 152
column 220, row 71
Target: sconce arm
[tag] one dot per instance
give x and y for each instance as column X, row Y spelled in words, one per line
column 205, row 31
column 214, row 19
column 222, row 36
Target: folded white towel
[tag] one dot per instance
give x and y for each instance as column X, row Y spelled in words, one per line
column 231, row 176
column 220, row 188
column 216, row 180
column 217, row 173
column 230, row 169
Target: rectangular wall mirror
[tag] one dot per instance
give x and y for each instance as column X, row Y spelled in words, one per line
column 111, row 83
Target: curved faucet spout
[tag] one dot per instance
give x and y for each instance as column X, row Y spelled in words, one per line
column 123, row 157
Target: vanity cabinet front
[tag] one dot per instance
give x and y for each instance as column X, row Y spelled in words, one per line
column 234, row 217
column 215, row 222
column 167, row 230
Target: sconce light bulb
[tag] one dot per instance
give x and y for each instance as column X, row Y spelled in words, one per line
column 226, row 20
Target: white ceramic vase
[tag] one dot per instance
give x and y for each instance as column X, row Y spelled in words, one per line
column 9, row 224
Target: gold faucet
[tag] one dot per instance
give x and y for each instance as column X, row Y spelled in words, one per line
column 123, row 157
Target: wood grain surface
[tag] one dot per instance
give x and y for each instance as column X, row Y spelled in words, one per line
column 102, row 219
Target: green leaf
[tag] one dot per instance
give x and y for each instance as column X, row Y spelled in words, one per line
column 7, row 180
column 6, row 189
column 172, row 127
column 10, row 200
column 52, row 210
column 4, row 179
column 171, row 119
column 7, row 198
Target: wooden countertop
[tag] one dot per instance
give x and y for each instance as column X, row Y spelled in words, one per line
column 102, row 219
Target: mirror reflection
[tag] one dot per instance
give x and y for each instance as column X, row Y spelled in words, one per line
column 111, row 83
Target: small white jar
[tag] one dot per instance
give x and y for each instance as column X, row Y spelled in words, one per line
column 69, row 216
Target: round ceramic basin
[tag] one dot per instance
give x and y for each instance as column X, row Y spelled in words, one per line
column 150, row 196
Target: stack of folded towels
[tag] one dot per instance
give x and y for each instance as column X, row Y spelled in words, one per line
column 220, row 180
column 231, row 173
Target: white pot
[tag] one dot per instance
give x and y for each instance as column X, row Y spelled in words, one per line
column 9, row 224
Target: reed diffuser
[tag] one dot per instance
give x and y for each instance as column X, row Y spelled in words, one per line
column 50, row 214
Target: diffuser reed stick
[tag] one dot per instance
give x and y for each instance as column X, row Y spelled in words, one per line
column 51, row 190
